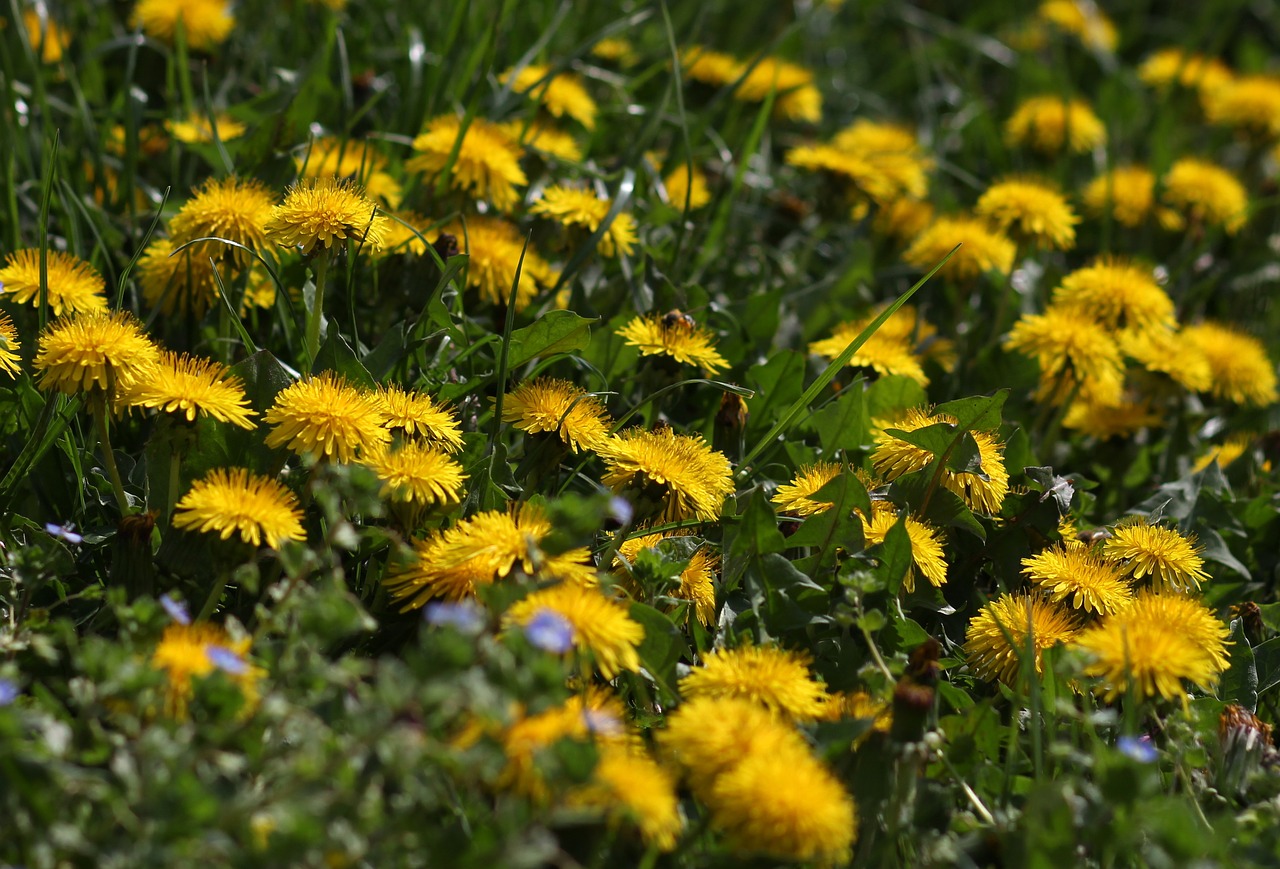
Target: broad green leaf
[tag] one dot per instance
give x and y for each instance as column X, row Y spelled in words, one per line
column 662, row 647
column 1266, row 657
column 335, row 354
column 836, row 528
column 553, row 332
column 895, row 556
column 1240, row 683
column 889, row 396
column 842, row 424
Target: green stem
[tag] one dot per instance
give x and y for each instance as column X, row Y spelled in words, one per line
column 108, row 455
column 175, row 473
column 214, row 596
column 320, row 267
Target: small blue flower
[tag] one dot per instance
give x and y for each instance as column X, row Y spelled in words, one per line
column 550, row 631
column 8, row 691
column 602, row 723
column 176, row 610
column 63, row 532
column 227, row 661
column 1137, row 748
column 620, row 510
column 465, row 616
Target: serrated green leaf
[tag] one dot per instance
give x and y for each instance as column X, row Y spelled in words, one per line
column 553, row 332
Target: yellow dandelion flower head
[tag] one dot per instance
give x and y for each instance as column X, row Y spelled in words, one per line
column 797, row 98
column 74, row 285
column 615, row 49
column 888, row 351
column 1171, row 559
column 359, row 160
column 224, row 208
column 1081, row 19
column 843, row 705
column 677, row 336
column 10, row 360
column 95, row 350
column 47, row 38
column 686, row 190
column 894, row 153
column 417, row 473
column 1050, row 123
column 181, row 282
column 1032, row 209
column 630, row 786
column 418, row 415
column 205, row 23
column 715, row 68
column 544, row 137
column 597, row 716
column 787, row 805
column 1074, row 352
column 1207, row 193
column 1154, row 644
column 196, row 128
column 1127, row 192
column 1249, row 102
column 151, row 140
column 927, row 542
column 903, row 218
column 984, row 249
column 708, row 735
column 494, row 246
column 1081, row 576
column 570, row 207
column 1107, row 421
column 998, row 637
column 690, row 479
column 778, row 679
column 796, row 497
column 563, row 94
column 326, row 417
column 183, row 655
column 189, row 386
column 1242, row 371
column 325, row 210
column 487, row 164
column 892, row 458
column 258, row 509
column 549, row 404
column 401, row 238
column 1167, row 351
column 479, row 551
column 1224, row 454
column 1173, row 65
column 601, row 625
column 1118, row 293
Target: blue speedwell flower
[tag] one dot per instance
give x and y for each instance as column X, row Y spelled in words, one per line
column 550, row 631
column 465, row 616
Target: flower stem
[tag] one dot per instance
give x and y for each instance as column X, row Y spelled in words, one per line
column 175, row 474
column 212, row 602
column 320, row 268
column 108, row 455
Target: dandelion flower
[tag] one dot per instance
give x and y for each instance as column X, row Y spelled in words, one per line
column 406, row 233
column 205, row 23
column 903, row 219
column 189, row 386
column 10, row 361
column 196, row 128
column 1207, row 193
column 784, row 804
column 796, row 497
column 480, row 550
column 1241, row 370
column 1167, row 351
column 1075, row 354
column 775, row 678
column 1153, row 645
column 258, row 509
column 95, row 351
column 1224, row 454
column 984, row 249
column 797, row 99
column 1127, row 192
column 47, row 38
column 1032, row 209
column 629, row 785
column 548, row 404
column 178, row 283
column 1081, row 576
column 417, row 415
column 1118, row 294
column 326, row 417
column 325, row 210
column 573, row 207
column 563, row 94
column 487, row 164
column 714, row 68
column 1171, row 560
column 1081, row 19
column 74, row 285
column 494, row 246
column 417, row 474
column 1249, row 102
column 884, row 162
column 224, row 208
column 183, row 653
column 1049, row 123
column 615, row 49
column 685, row 189
column 708, row 735
column 927, row 554
column 545, row 138
column 601, row 626
column 1170, row 65
column 1106, row 421
column 675, row 335
column 697, row 580
column 885, row 352
column 357, row 160
column 999, row 636
column 596, row 715
column 984, row 492
column 686, row 477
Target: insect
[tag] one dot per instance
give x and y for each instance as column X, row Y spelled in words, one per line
column 1093, row 535
column 678, row 321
